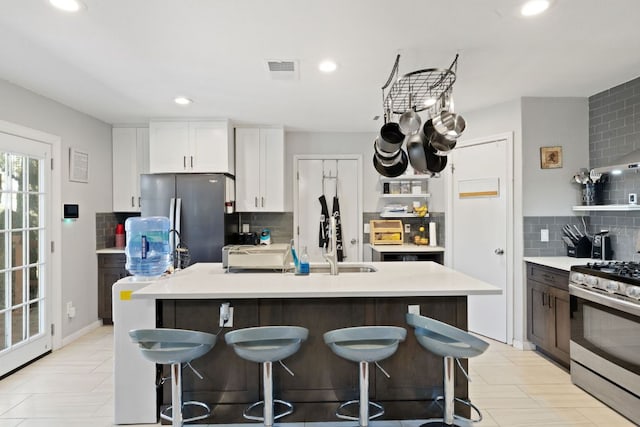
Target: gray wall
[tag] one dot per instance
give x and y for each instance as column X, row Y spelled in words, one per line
column 614, row 130
column 79, row 261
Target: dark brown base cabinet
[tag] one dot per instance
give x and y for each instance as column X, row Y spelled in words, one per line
column 322, row 380
column 548, row 311
column 110, row 270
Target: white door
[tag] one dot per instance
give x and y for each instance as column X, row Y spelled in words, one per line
column 480, row 228
column 25, row 177
column 318, row 176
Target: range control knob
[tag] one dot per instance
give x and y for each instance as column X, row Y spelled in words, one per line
column 633, row 292
column 577, row 278
column 591, row 281
column 612, row 286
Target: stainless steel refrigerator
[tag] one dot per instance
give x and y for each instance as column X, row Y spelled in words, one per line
column 195, row 205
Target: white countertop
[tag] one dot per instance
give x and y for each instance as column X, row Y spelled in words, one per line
column 110, row 251
column 408, row 247
column 393, row 279
column 559, row 262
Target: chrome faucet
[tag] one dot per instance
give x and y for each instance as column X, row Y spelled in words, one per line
column 332, row 252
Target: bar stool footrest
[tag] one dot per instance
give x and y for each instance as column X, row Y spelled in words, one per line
column 287, row 411
column 464, row 402
column 378, row 413
column 164, row 414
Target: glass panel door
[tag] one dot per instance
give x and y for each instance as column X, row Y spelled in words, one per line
column 24, row 181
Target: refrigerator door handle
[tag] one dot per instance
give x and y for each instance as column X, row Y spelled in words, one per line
column 172, row 220
column 178, row 220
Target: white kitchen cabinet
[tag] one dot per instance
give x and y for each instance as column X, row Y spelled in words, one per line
column 191, row 146
column 130, row 151
column 260, row 169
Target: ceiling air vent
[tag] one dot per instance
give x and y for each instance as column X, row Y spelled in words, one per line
column 282, row 70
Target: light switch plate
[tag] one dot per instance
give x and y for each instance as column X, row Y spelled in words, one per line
column 544, row 235
column 367, row 229
column 407, row 228
column 414, row 309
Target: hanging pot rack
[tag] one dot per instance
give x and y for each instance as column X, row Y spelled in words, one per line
column 427, row 89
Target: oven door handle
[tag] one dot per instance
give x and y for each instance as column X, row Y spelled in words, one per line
column 627, row 307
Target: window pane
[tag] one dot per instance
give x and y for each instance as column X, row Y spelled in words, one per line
column 34, row 283
column 34, row 212
column 17, row 246
column 3, row 333
column 17, row 211
column 3, row 294
column 17, row 176
column 34, row 319
column 17, row 331
column 17, row 293
column 3, row 255
column 34, row 182
column 4, row 199
column 33, row 246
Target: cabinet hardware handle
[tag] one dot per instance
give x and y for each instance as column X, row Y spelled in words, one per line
column 191, row 162
column 256, row 201
column 184, row 162
column 132, row 202
column 543, row 297
column 262, row 201
column 549, row 277
column 139, row 202
column 550, row 306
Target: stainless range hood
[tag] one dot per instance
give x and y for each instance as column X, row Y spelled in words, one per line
column 628, row 162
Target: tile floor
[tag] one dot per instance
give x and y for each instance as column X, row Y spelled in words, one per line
column 72, row 387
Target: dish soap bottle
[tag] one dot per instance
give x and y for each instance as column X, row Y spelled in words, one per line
column 304, row 262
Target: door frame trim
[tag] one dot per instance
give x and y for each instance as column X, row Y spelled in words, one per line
column 55, row 226
column 510, row 244
column 358, row 158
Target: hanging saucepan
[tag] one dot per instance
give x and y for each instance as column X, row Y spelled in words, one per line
column 410, row 121
column 435, row 163
column 449, row 125
column 438, row 143
column 390, row 138
column 390, row 166
column 415, row 150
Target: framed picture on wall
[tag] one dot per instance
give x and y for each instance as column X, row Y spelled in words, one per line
column 78, row 165
column 550, row 157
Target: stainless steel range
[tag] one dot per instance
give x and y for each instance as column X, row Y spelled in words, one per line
column 605, row 333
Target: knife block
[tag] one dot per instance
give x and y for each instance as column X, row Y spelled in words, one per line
column 582, row 249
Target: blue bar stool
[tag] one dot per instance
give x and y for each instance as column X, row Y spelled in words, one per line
column 364, row 344
column 267, row 344
column 175, row 347
column 451, row 343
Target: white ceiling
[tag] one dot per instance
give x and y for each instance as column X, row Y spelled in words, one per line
column 123, row 61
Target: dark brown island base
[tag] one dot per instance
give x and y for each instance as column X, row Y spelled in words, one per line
column 322, row 380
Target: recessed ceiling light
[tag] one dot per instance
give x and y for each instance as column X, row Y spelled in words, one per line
column 68, row 5
column 182, row 100
column 534, row 7
column 328, row 66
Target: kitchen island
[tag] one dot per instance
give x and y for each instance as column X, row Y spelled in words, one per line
column 320, row 302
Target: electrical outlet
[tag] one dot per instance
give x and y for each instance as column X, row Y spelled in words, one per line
column 544, row 235
column 367, row 228
column 226, row 315
column 414, row 309
column 407, row 228
column 71, row 310
column 245, row 228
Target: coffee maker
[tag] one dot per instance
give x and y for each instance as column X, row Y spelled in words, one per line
column 601, row 246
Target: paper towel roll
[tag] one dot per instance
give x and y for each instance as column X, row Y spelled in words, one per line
column 433, row 241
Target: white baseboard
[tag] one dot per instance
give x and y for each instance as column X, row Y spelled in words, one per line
column 524, row 345
column 74, row 336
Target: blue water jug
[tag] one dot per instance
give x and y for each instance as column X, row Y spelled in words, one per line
column 147, row 249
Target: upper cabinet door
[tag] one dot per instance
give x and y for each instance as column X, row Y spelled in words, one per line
column 124, row 148
column 168, row 147
column 247, row 169
column 191, row 147
column 209, row 147
column 272, row 169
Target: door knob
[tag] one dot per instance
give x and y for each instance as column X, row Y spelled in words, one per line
column 499, row 251
column 354, row 241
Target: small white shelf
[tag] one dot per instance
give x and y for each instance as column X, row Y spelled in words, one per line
column 401, row 215
column 406, row 178
column 583, row 208
column 405, row 196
